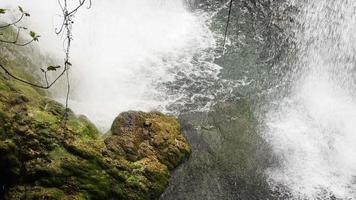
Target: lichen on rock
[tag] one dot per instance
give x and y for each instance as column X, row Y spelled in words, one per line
column 148, row 135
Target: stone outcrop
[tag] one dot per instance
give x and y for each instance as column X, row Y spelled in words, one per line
column 42, row 158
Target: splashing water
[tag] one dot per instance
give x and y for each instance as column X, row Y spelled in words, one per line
column 155, row 54
column 313, row 130
column 134, row 54
column 128, row 51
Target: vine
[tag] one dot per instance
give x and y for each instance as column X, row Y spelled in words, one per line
column 66, row 27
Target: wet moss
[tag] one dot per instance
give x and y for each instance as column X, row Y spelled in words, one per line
column 83, row 127
column 41, row 157
column 42, row 193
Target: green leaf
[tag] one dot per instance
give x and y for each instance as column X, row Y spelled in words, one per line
column 20, row 9
column 2, row 11
column 43, row 70
column 27, row 14
column 53, row 68
column 32, row 34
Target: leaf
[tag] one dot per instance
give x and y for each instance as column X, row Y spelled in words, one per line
column 2, row 11
column 20, row 9
column 68, row 63
column 53, row 68
column 27, row 14
column 32, row 34
column 43, row 70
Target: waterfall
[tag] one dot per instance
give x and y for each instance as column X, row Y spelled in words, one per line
column 158, row 55
column 128, row 50
column 313, row 129
column 131, row 55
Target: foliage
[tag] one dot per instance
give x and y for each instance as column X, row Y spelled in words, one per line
column 65, row 27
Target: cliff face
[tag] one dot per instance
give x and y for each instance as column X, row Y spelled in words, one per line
column 40, row 158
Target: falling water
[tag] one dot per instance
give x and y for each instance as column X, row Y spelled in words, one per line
column 134, row 55
column 313, row 130
column 156, row 54
column 130, row 54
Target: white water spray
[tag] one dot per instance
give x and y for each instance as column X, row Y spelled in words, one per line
column 313, row 131
column 125, row 51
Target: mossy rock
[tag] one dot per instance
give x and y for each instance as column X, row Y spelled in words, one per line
column 142, row 135
column 48, row 152
column 44, row 158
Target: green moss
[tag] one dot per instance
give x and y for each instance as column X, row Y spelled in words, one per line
column 83, row 127
column 42, row 193
column 58, row 155
column 47, row 193
column 43, row 116
column 91, row 178
column 43, row 158
column 28, row 91
column 3, row 86
column 55, row 108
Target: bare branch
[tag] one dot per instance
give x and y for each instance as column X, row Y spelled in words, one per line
column 21, row 80
column 67, row 26
column 227, row 23
column 17, row 44
column 33, row 84
column 15, row 41
column 13, row 23
column 81, row 3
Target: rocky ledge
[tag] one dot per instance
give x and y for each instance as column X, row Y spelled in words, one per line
column 42, row 158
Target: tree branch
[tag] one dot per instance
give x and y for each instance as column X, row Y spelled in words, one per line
column 227, row 23
column 67, row 26
column 34, row 84
column 13, row 23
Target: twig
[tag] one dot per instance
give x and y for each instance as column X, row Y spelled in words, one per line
column 67, row 26
column 13, row 23
column 15, row 41
column 227, row 24
column 29, row 83
column 67, row 23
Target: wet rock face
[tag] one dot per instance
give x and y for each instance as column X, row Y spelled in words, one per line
column 228, row 160
column 41, row 158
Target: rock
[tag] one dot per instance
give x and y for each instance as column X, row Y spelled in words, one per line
column 229, row 157
column 43, row 158
column 142, row 135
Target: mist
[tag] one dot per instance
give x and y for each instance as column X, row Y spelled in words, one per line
column 121, row 52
